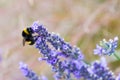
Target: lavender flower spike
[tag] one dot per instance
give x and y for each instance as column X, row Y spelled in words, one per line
column 102, row 71
column 106, row 47
column 57, row 42
column 28, row 72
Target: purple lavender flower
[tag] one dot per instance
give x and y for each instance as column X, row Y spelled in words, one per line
column 49, row 55
column 106, row 47
column 118, row 77
column 38, row 28
column 87, row 74
column 42, row 46
column 57, row 42
column 43, row 77
column 64, row 47
column 102, row 71
column 28, row 72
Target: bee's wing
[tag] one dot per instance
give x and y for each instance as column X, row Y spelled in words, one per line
column 23, row 42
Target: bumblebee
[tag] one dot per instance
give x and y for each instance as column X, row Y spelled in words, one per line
column 28, row 37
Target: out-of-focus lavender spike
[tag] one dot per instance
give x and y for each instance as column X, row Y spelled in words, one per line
column 103, row 62
column 28, row 72
column 118, row 77
column 106, row 47
column 43, row 77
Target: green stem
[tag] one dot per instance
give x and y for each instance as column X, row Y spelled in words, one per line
column 118, row 58
column 86, row 62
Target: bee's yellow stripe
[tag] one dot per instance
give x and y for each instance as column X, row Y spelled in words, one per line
column 25, row 30
column 28, row 42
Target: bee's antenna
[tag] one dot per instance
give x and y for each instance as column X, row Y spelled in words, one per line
column 23, row 42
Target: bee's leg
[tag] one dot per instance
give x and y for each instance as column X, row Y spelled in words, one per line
column 32, row 42
column 23, row 42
